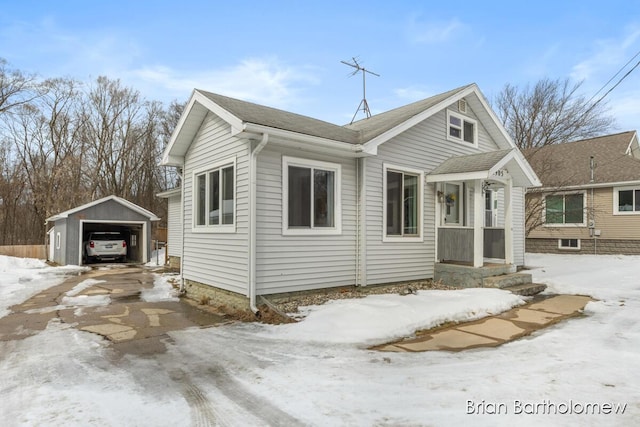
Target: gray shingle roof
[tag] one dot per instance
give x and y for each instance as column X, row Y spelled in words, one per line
column 567, row 164
column 356, row 133
column 470, row 163
column 280, row 119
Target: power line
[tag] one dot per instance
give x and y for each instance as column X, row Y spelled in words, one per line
column 619, row 81
column 614, row 76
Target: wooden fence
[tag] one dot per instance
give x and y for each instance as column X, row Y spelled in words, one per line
column 25, row 251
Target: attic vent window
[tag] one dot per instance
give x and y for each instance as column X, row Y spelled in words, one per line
column 461, row 129
column 462, row 106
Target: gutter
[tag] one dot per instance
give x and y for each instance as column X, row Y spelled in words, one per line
column 253, row 210
column 315, row 140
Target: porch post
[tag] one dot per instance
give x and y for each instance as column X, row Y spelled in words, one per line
column 508, row 222
column 478, row 222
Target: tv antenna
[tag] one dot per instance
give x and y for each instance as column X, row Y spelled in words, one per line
column 364, row 106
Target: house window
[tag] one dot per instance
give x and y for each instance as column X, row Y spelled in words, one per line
column 57, row 240
column 215, row 198
column 564, row 209
column 571, row 244
column 461, row 128
column 311, row 197
column 402, row 203
column 626, row 200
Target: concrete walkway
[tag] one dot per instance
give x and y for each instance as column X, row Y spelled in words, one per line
column 494, row 330
column 131, row 324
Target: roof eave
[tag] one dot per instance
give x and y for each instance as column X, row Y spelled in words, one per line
column 183, row 135
column 339, row 146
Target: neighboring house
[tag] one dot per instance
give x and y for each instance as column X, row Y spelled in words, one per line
column 71, row 228
column 273, row 202
column 590, row 198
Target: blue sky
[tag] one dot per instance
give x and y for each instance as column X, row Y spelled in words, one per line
column 287, row 54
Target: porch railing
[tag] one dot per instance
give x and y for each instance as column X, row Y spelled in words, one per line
column 456, row 243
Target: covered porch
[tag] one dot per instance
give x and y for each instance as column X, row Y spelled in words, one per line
column 475, row 215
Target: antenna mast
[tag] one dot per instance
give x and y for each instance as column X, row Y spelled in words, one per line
column 364, row 106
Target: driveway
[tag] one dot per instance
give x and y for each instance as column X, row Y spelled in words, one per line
column 108, row 301
column 118, row 304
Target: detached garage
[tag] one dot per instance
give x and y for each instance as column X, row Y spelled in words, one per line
column 111, row 214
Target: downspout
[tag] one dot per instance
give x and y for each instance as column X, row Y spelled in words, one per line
column 253, row 212
column 592, row 222
column 181, row 175
column 358, row 239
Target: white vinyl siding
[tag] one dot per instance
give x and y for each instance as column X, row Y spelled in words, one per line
column 422, row 147
column 174, row 233
column 217, row 259
column 287, row 263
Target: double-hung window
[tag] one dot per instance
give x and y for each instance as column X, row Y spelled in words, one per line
column 402, row 204
column 626, row 201
column 462, row 129
column 311, row 197
column 564, row 209
column 214, row 198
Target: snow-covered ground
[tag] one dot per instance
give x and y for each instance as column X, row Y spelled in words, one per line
column 320, row 372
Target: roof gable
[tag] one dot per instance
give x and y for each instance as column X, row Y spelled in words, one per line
column 568, row 164
column 366, row 134
column 129, row 205
column 485, row 166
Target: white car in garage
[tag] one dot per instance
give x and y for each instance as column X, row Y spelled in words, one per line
column 105, row 245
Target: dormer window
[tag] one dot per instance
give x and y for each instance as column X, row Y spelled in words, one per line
column 461, row 129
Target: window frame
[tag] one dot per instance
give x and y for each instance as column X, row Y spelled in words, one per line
column 462, row 119
column 616, row 200
column 563, row 224
column 206, row 172
column 420, row 220
column 336, row 168
column 568, row 248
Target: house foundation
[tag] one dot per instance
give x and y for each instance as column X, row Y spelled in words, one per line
column 174, row 262
column 215, row 296
column 587, row 246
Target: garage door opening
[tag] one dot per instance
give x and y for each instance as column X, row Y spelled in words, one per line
column 132, row 234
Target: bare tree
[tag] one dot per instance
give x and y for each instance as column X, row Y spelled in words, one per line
column 550, row 112
column 44, row 134
column 16, row 88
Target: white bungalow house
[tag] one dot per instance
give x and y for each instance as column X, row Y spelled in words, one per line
column 274, row 202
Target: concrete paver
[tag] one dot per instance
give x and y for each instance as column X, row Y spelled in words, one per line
column 531, row 316
column 494, row 330
column 447, row 340
column 563, row 304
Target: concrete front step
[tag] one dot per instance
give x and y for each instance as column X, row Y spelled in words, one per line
column 506, row 280
column 526, row 289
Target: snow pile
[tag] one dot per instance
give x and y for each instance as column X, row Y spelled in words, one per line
column 21, row 278
column 379, row 318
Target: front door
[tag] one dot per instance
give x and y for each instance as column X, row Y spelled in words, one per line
column 453, row 204
column 490, row 209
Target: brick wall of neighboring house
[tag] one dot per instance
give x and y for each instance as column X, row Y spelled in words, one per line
column 587, row 246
